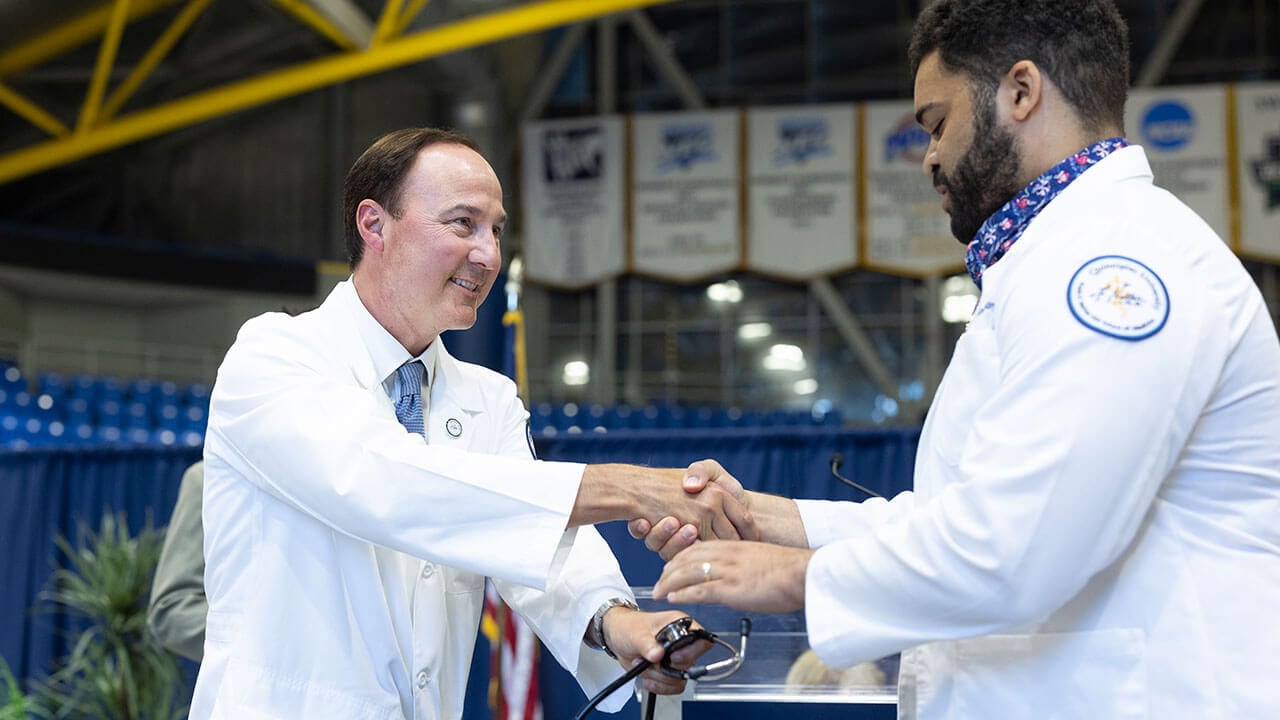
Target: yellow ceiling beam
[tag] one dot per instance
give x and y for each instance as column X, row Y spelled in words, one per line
column 70, row 35
column 432, row 42
column 386, row 21
column 308, row 15
column 33, row 113
column 102, row 69
column 411, row 12
column 158, row 50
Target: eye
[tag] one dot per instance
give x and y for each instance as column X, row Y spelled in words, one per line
column 463, row 221
column 497, row 231
column 936, row 132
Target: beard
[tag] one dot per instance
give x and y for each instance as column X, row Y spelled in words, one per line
column 985, row 178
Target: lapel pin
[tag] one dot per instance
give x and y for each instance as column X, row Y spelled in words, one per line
column 453, row 427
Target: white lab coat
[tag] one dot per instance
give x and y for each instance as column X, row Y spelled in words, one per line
column 346, row 557
column 1095, row 526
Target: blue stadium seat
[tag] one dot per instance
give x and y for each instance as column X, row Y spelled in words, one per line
column 196, row 394
column 11, row 379
column 109, row 413
column 108, row 389
column 565, row 416
column 82, row 433
column 138, row 415
column 168, row 416
column 164, row 437
column 137, row 436
column 593, row 419
column 51, row 384
column 140, row 390
column 84, row 387
column 166, row 393
column 646, row 418
column 109, row 434
column 617, row 417
column 195, row 418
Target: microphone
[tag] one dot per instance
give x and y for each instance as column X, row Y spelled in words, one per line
column 836, row 461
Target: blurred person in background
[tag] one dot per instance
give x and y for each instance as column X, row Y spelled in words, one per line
column 178, row 606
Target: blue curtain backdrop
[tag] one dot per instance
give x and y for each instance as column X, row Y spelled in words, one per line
column 44, row 493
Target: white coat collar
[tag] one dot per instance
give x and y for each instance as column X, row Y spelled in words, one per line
column 383, row 353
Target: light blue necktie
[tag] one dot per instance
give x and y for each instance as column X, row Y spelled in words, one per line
column 409, row 406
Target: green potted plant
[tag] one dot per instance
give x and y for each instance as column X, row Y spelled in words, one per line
column 13, row 703
column 116, row 670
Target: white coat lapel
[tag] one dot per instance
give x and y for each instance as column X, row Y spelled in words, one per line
column 455, row 415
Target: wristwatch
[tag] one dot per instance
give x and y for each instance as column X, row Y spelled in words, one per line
column 595, row 631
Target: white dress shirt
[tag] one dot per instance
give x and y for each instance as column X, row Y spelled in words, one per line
column 1095, row 526
column 346, row 557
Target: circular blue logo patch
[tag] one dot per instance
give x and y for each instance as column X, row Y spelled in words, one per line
column 1119, row 297
column 1168, row 125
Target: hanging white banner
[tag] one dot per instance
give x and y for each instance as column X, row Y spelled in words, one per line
column 685, row 175
column 800, row 191
column 1184, row 133
column 908, row 232
column 573, row 200
column 1258, row 169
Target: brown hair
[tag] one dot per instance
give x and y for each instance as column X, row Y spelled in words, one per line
column 378, row 174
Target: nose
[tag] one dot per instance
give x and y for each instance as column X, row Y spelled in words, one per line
column 485, row 252
column 930, row 163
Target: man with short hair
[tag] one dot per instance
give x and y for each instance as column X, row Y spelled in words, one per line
column 361, row 483
column 1092, row 531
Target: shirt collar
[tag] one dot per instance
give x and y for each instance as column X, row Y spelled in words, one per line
column 386, row 354
column 1006, row 225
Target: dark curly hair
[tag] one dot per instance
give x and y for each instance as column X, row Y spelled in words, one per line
column 379, row 174
column 1081, row 45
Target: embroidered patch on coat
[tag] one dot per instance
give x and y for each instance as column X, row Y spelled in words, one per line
column 1120, row 297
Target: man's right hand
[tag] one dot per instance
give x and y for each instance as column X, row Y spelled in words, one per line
column 625, row 492
column 773, row 519
column 668, row 536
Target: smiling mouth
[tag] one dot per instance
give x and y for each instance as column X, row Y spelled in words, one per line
column 466, row 284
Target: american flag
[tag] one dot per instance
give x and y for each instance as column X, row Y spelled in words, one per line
column 513, row 661
column 513, row 648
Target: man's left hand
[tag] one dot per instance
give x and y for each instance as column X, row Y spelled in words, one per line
column 632, row 635
column 745, row 575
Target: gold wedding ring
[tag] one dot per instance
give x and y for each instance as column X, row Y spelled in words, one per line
column 706, row 572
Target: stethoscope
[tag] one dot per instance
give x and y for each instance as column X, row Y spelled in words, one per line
column 673, row 636
column 681, row 632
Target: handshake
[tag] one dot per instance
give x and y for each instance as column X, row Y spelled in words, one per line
column 722, row 543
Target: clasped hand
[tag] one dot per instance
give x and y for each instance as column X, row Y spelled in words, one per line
column 755, row 576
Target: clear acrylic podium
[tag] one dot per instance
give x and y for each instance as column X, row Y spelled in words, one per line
column 779, row 667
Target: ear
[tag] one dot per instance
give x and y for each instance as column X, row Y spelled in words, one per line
column 369, row 219
column 1024, row 86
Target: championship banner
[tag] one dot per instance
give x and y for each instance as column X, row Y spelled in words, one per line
column 573, row 200
column 1184, row 133
column 908, row 233
column 1258, row 169
column 800, row 191
column 685, row 173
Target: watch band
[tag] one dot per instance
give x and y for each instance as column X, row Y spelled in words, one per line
column 595, row 631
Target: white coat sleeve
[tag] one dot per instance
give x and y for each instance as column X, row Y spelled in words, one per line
column 828, row 521
column 588, row 577
column 331, row 449
column 1060, row 464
